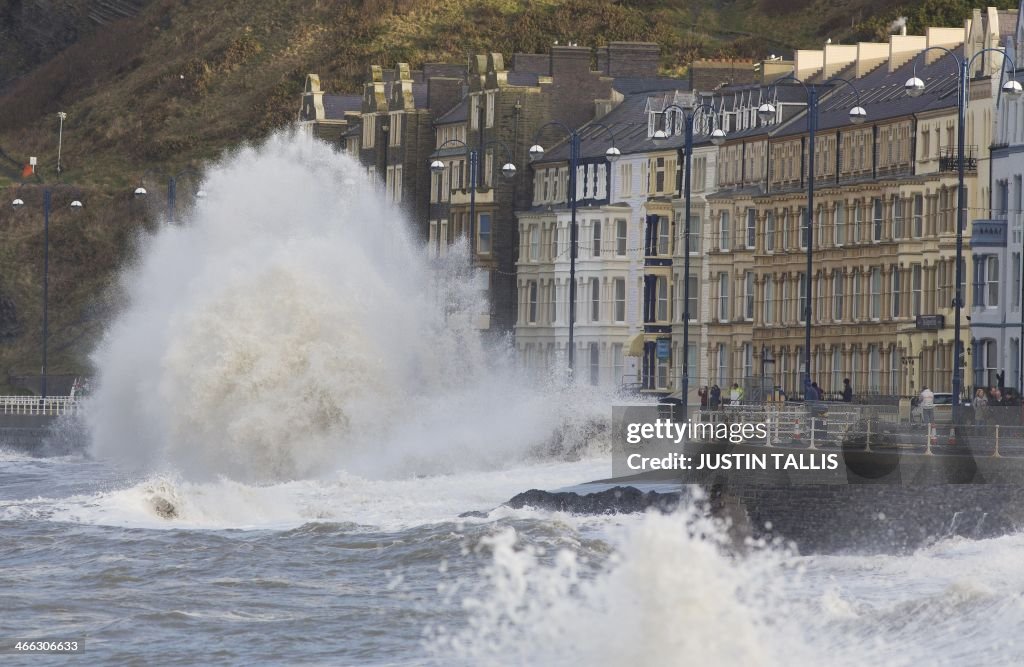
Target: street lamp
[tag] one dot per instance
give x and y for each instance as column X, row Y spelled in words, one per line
column 915, row 87
column 717, row 138
column 508, row 170
column 612, row 154
column 141, row 192
column 857, row 115
column 75, row 206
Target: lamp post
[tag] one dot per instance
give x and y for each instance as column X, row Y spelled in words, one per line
column 717, row 138
column 612, row 155
column 76, row 205
column 508, row 170
column 172, row 190
column 915, row 87
column 857, row 116
column 60, row 137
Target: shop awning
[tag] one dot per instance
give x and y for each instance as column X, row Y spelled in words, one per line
column 635, row 346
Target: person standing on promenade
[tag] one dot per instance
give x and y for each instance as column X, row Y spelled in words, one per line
column 980, row 404
column 927, row 405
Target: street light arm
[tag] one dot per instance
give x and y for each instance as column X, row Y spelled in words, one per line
column 849, row 83
column 1006, row 59
column 551, row 123
column 956, row 58
column 705, row 109
column 691, row 113
column 611, row 135
column 791, row 77
column 76, row 201
column 503, row 145
column 453, row 142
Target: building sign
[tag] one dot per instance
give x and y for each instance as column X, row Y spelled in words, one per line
column 931, row 322
column 664, row 352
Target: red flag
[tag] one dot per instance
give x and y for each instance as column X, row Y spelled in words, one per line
column 28, row 171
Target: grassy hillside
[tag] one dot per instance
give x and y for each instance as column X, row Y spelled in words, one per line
column 184, row 81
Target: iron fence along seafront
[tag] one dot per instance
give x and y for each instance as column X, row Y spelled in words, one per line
column 34, row 405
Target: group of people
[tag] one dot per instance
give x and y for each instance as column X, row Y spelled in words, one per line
column 814, row 393
column 712, row 398
column 992, row 397
column 985, row 399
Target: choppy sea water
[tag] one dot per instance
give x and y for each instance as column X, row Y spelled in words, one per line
column 356, row 572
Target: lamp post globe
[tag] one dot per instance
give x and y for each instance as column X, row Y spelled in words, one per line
column 914, row 87
column 436, row 167
column 1013, row 88
column 659, row 135
column 858, row 115
column 536, row 152
column 613, row 154
column 717, row 136
column 766, row 112
column 76, row 206
column 508, row 170
column 140, row 191
column 17, row 203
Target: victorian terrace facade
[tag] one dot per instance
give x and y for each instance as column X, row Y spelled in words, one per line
column 884, row 227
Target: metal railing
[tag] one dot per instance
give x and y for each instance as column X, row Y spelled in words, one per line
column 829, row 426
column 34, row 405
column 949, row 158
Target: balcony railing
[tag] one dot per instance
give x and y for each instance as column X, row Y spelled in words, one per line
column 949, row 157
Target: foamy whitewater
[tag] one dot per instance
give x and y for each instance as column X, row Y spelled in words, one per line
column 294, row 410
column 294, row 327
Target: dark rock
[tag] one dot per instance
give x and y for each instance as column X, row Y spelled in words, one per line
column 164, row 508
column 617, row 500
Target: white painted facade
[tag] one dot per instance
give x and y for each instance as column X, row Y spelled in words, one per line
column 605, row 316
column 996, row 329
column 611, row 268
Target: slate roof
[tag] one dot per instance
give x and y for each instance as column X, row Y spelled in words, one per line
column 457, row 114
column 630, row 85
column 628, row 122
column 335, row 106
column 882, row 94
column 518, row 78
